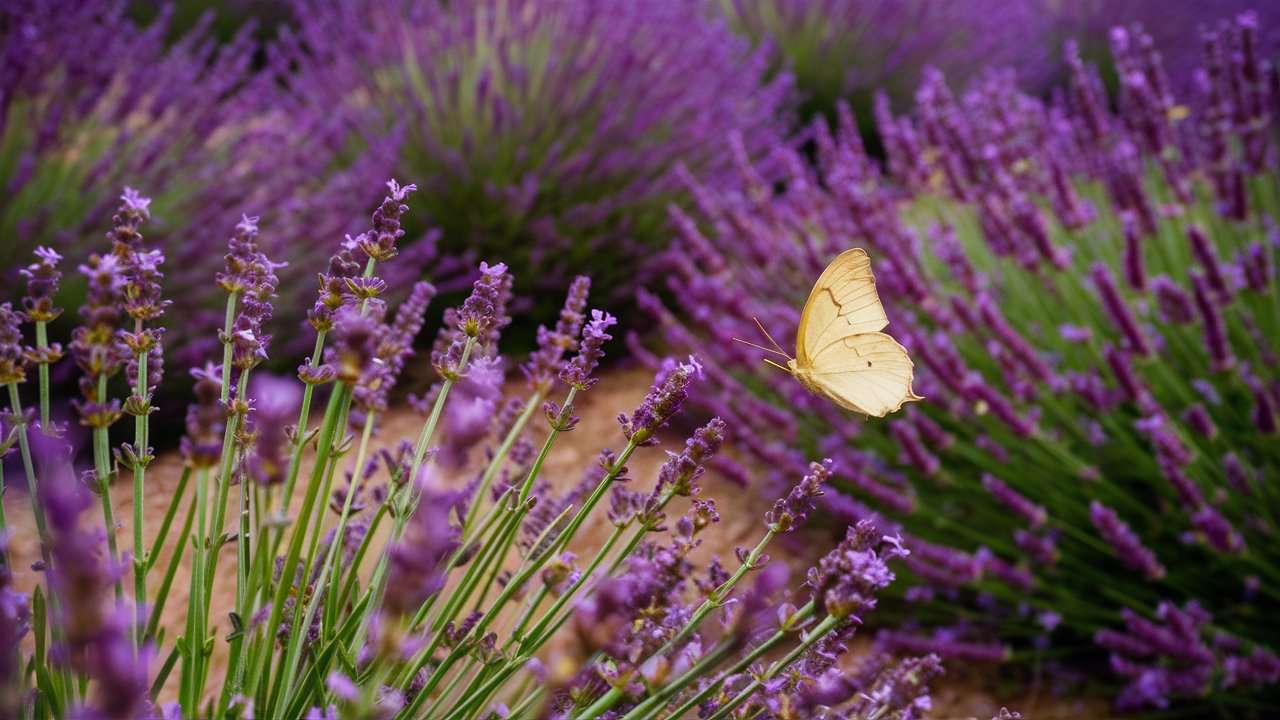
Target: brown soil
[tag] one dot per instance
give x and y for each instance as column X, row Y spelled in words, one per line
column 963, row 694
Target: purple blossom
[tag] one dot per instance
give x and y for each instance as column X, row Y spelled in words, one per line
column 1215, row 336
column 680, row 473
column 1125, row 543
column 380, row 243
column 43, row 279
column 13, row 362
column 578, row 371
column 1118, row 309
column 845, row 581
column 1034, row 514
column 790, row 511
column 355, row 345
column 546, row 362
column 664, row 399
column 275, row 408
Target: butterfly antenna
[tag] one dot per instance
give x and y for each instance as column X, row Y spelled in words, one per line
column 760, row 347
column 781, row 352
column 780, row 367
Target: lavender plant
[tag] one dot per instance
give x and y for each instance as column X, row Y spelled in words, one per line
column 545, row 132
column 1091, row 301
column 372, row 589
column 849, row 49
column 92, row 101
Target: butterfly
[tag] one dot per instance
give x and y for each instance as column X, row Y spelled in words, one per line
column 841, row 353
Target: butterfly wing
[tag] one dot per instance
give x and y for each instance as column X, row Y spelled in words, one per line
column 869, row 373
column 844, row 301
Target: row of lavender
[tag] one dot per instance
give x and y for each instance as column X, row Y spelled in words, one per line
column 386, row 594
column 545, row 132
column 1091, row 300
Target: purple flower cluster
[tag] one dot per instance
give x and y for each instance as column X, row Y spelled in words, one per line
column 1170, row 657
column 545, row 363
column 846, row 580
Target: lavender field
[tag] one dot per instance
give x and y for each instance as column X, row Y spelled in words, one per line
column 575, row 359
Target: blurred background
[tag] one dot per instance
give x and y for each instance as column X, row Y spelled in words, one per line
column 1073, row 208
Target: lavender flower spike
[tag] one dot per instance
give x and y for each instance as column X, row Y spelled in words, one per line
column 1128, row 548
column 790, row 512
column 670, row 388
column 545, row 362
column 1118, row 309
column 13, row 362
column 579, row 370
column 846, row 580
column 43, row 279
column 1034, row 514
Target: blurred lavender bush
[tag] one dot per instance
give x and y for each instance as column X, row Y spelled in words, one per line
column 545, row 132
column 1091, row 300
column 850, row 49
column 90, row 101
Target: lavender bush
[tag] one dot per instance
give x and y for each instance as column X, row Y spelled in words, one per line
column 545, row 132
column 90, row 101
column 850, row 49
column 370, row 589
column 1091, row 301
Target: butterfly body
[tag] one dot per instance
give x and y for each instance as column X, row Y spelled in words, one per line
column 841, row 353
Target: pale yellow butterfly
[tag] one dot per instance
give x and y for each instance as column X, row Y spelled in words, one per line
column 841, row 353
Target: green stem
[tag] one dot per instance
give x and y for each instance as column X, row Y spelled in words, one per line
column 24, row 446
column 491, row 471
column 42, row 370
column 162, row 595
column 304, row 414
column 260, row 671
column 404, row 508
column 102, row 466
column 827, row 625
column 140, row 560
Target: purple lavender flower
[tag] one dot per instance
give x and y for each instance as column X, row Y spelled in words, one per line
column 94, row 636
column 1118, row 310
column 669, row 391
column 1034, row 514
column 15, row 622
column 380, row 243
column 201, row 446
column 275, row 408
column 1126, row 544
column 545, row 363
column 790, row 511
column 680, row 473
column 1215, row 337
column 43, row 279
column 13, row 362
column 845, row 581
column 578, row 371
column 355, row 345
